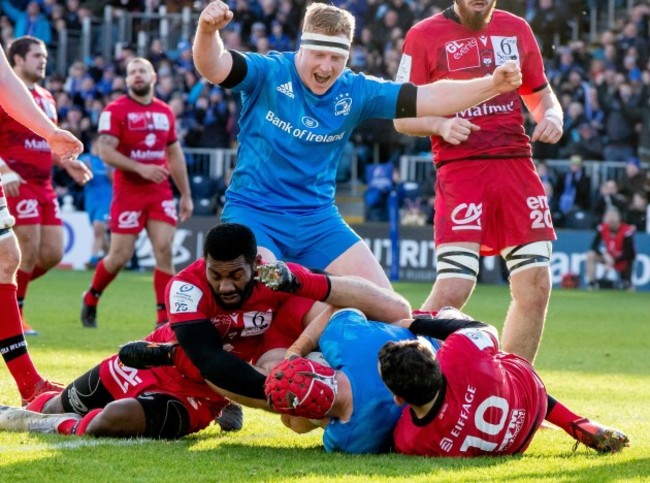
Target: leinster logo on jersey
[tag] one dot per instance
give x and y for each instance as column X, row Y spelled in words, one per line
column 343, row 105
column 309, row 122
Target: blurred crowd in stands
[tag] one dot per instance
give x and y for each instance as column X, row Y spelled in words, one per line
column 604, row 86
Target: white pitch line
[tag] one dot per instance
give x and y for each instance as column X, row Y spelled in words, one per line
column 75, row 444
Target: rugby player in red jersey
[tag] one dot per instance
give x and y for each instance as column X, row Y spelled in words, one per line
column 489, row 199
column 137, row 136
column 17, row 101
column 27, row 177
column 471, row 399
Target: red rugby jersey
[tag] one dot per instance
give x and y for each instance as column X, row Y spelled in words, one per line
column 492, row 403
column 25, row 152
column 144, row 132
column 440, row 47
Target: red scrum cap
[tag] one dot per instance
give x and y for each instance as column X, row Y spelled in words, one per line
column 301, row 387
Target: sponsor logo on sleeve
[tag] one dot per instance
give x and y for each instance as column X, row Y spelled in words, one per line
column 184, row 297
column 404, row 69
column 479, row 338
column 104, row 123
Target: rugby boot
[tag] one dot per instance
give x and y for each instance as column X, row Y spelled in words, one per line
column 21, row 420
column 27, row 330
column 142, row 354
column 596, row 436
column 88, row 313
column 231, row 417
column 42, row 386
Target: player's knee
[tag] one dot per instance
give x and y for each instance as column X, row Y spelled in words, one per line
column 452, row 292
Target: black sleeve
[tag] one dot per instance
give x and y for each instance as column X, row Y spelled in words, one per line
column 442, row 328
column 407, row 101
column 595, row 243
column 238, row 71
column 203, row 346
column 629, row 250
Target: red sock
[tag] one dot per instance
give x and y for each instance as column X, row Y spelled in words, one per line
column 80, row 428
column 315, row 286
column 559, row 414
column 101, row 279
column 13, row 345
column 160, row 281
column 40, row 401
column 38, row 272
column 22, row 279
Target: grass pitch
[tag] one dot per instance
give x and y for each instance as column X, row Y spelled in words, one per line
column 594, row 357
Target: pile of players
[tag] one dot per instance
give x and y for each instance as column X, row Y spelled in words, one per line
column 236, row 330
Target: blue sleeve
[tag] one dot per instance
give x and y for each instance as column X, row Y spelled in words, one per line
column 11, row 11
column 195, row 92
column 380, row 97
column 257, row 64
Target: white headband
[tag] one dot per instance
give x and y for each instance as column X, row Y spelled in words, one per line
column 328, row 43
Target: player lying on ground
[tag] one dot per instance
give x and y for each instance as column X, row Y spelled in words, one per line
column 222, row 318
column 470, row 399
column 113, row 400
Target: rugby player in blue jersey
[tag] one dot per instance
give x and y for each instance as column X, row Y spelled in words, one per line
column 298, row 112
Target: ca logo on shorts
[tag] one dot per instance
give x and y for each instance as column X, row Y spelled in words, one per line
column 467, row 216
column 27, row 209
column 128, row 219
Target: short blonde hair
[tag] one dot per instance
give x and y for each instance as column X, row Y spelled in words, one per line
column 141, row 60
column 328, row 20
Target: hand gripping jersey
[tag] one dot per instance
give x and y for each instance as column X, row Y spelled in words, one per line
column 25, row 152
column 441, row 48
column 291, row 140
column 350, row 343
column 491, row 404
column 144, row 132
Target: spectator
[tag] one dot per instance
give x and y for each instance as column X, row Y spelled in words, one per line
column 583, row 141
column 549, row 22
column 609, row 198
column 574, row 188
column 380, row 179
column 617, row 101
column 637, row 211
column 613, row 247
column 29, row 22
column 278, row 40
column 633, row 179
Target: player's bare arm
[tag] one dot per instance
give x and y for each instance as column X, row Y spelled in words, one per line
column 19, row 104
column 375, row 302
column 210, row 58
column 300, row 425
column 446, row 97
column 11, row 180
column 77, row 170
column 453, row 130
column 547, row 112
column 107, row 148
column 178, row 172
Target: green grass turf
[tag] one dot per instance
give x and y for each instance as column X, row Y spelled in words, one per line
column 594, row 357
